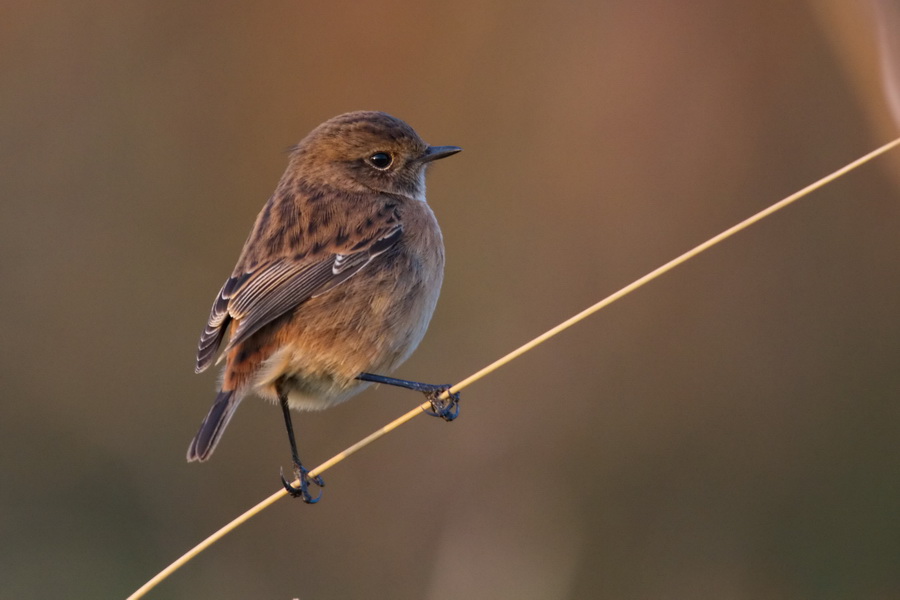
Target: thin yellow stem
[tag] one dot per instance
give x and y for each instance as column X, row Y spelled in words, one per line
column 509, row 357
column 672, row 264
column 252, row 512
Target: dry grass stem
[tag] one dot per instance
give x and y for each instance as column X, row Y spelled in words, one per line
column 510, row 357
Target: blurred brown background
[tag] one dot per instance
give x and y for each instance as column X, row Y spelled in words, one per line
column 730, row 431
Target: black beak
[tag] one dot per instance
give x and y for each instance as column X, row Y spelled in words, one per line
column 438, row 152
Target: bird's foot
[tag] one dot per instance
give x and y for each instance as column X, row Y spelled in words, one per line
column 445, row 408
column 302, row 475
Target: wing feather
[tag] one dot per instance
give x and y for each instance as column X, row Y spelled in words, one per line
column 217, row 325
column 257, row 298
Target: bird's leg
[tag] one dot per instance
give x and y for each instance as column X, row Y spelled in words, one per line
column 300, row 471
column 447, row 409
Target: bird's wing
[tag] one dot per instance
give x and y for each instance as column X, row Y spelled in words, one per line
column 259, row 297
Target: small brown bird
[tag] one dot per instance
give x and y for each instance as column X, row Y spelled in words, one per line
column 336, row 283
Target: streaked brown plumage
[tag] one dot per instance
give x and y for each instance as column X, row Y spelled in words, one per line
column 339, row 276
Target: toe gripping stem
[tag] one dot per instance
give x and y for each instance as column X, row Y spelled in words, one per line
column 447, row 409
column 302, row 491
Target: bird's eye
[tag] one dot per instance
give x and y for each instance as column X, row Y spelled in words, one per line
column 381, row 160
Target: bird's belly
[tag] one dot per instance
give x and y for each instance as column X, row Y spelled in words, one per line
column 366, row 325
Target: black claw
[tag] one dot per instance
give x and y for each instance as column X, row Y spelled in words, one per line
column 303, row 491
column 445, row 408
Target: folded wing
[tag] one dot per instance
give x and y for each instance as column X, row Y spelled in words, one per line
column 257, row 298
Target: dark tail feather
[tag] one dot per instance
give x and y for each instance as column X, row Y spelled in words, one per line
column 213, row 425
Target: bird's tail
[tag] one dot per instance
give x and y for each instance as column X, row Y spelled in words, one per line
column 213, row 425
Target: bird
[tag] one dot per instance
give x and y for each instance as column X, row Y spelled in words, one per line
column 336, row 283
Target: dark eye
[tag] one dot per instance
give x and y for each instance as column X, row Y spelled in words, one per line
column 381, row 160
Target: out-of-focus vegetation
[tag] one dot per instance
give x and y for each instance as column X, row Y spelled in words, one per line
column 728, row 432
